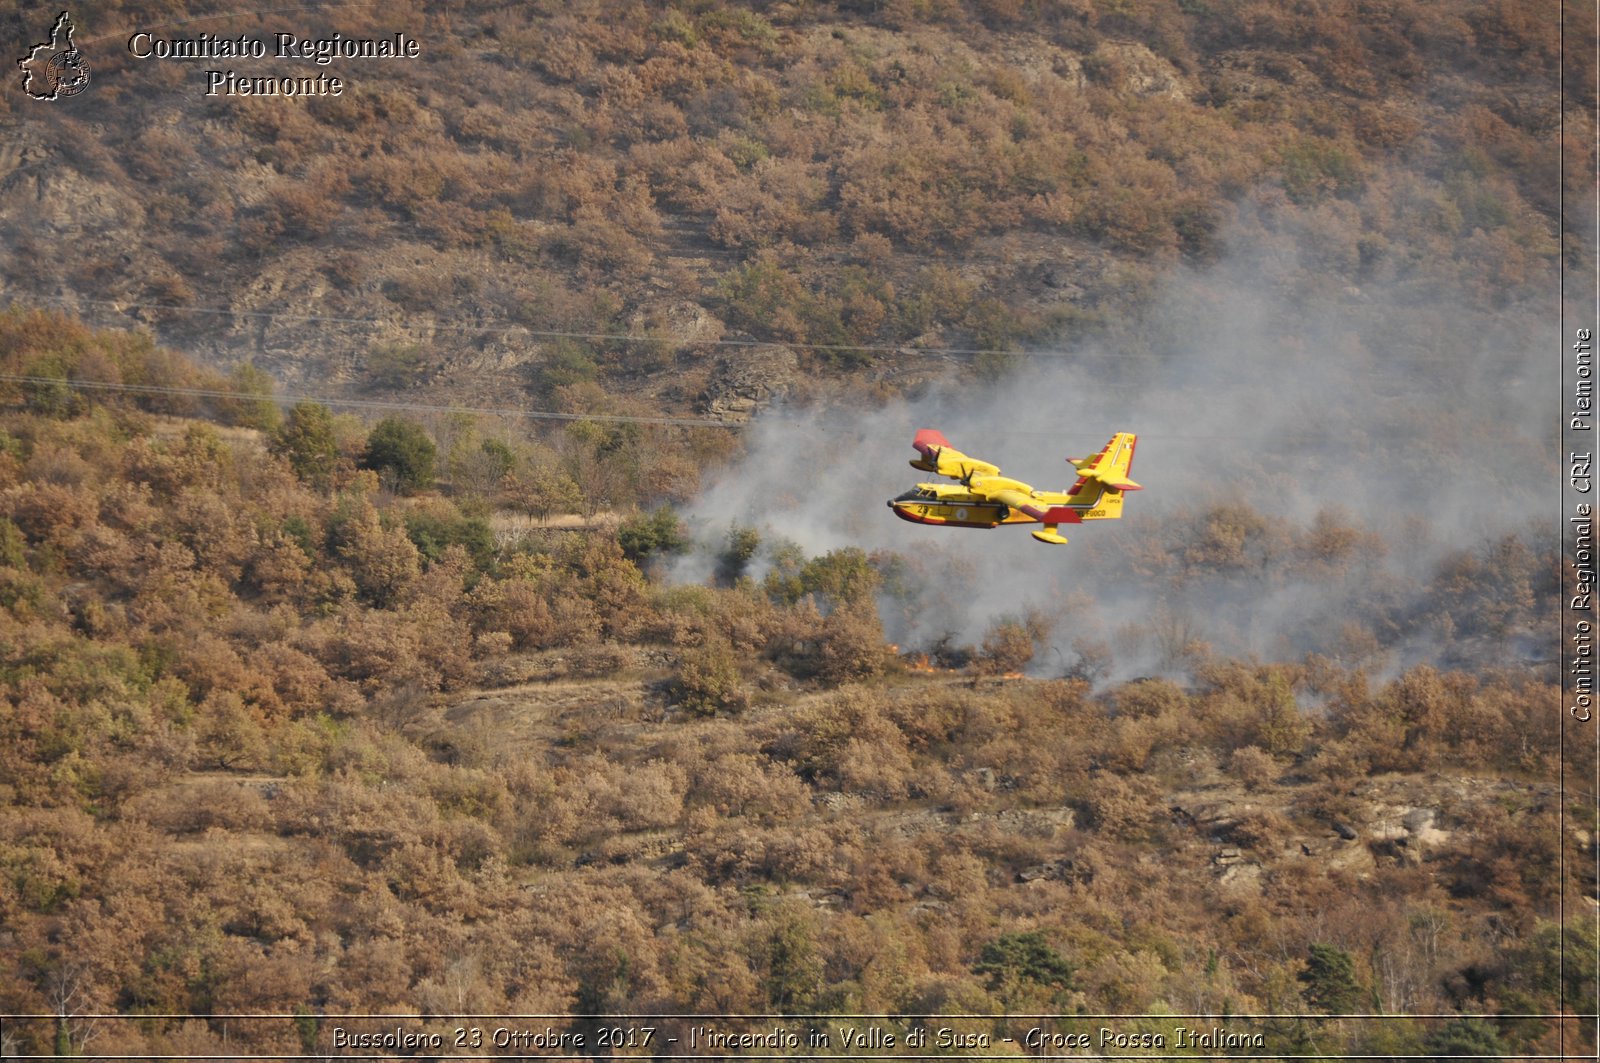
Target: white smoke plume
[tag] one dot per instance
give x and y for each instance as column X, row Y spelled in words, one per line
column 1404, row 411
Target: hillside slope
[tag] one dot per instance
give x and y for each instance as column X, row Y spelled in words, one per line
column 976, row 176
column 276, row 740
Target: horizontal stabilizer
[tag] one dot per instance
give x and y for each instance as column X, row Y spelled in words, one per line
column 1110, row 466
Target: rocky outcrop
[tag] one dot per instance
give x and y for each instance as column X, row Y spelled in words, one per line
column 1130, row 67
column 1251, row 75
column 747, row 379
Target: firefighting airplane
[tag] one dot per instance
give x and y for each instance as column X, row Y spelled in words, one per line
column 985, row 499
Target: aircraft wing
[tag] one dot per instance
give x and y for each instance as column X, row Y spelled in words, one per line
column 1011, row 496
column 1111, row 465
column 937, row 455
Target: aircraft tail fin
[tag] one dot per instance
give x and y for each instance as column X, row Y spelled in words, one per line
column 1112, row 464
column 1103, row 479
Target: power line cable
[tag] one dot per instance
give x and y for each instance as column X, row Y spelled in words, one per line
column 546, row 415
column 70, row 302
column 368, row 404
column 552, row 415
column 501, row 329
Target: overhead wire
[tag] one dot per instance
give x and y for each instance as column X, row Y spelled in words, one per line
column 537, row 415
column 70, row 302
column 369, row 404
column 530, row 414
column 535, row 333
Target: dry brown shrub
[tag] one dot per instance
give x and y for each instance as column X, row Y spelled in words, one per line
column 1129, row 743
column 598, row 660
column 931, row 721
column 303, row 211
column 98, row 551
column 219, row 804
column 278, row 569
column 1128, row 808
column 428, row 877
column 542, row 617
column 851, row 647
column 1253, row 705
column 787, row 854
column 1426, row 704
column 229, row 735
column 1150, row 697
column 1254, row 767
column 1500, row 726
column 601, row 245
column 1260, row 829
column 1007, row 647
column 48, row 511
column 379, row 649
column 58, row 465
column 269, row 980
column 874, row 768
column 709, row 680
column 640, row 796
column 743, row 785
column 815, row 738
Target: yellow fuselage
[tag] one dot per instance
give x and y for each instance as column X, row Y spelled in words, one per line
column 955, row 506
column 982, row 498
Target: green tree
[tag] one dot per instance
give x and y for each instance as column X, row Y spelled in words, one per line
column 307, row 439
column 479, row 467
column 401, row 450
column 787, row 957
column 840, row 576
column 499, row 456
column 1015, row 963
column 1556, row 964
column 307, row 1026
column 254, row 407
column 394, row 366
column 782, row 582
column 764, row 298
column 1283, row 728
column 49, row 392
column 1329, row 981
column 651, row 534
column 13, row 545
column 708, row 681
column 1467, row 1036
column 544, row 490
column 741, row 545
column 566, row 362
column 433, row 531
